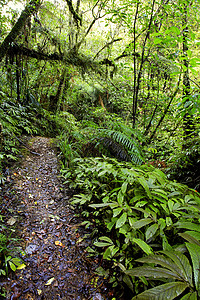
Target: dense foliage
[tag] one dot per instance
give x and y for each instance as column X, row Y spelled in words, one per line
column 131, row 210
column 117, row 84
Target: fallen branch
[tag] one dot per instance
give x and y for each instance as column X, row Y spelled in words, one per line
column 24, row 145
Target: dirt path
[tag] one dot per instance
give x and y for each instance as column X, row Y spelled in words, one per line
column 56, row 265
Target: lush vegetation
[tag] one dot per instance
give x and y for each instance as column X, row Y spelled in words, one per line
column 130, row 210
column 117, row 84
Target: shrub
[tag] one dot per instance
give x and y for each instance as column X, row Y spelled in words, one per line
column 132, row 209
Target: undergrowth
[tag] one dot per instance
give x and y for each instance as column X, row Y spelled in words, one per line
column 131, row 210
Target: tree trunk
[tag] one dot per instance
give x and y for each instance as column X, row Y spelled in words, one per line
column 30, row 8
column 55, row 100
column 188, row 123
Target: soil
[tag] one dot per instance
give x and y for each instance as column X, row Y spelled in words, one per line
column 37, row 206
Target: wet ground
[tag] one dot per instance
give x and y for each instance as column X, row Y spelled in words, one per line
column 35, row 203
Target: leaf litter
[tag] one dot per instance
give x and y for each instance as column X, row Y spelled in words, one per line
column 56, row 265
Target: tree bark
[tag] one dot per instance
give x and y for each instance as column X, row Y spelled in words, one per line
column 164, row 113
column 137, row 77
column 30, row 8
column 188, row 122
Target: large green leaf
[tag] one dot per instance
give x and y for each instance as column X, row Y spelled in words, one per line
column 120, row 222
column 167, row 291
column 151, row 231
column 120, row 197
column 160, row 176
column 143, row 182
column 101, row 244
column 144, row 246
column 152, row 272
column 190, row 296
column 194, row 234
column 162, row 261
column 106, row 238
column 194, row 251
column 124, row 187
column 188, row 225
column 140, row 223
column 189, row 238
column 182, row 263
column 99, row 205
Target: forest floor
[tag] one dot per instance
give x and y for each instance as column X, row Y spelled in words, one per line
column 51, row 238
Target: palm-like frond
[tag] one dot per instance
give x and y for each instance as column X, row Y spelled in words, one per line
column 120, row 145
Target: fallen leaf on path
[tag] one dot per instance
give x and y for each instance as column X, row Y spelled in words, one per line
column 50, row 281
column 39, row 292
column 70, row 270
column 58, row 243
column 59, row 226
column 11, row 221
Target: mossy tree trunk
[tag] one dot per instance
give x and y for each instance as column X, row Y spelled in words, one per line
column 30, row 8
column 188, row 121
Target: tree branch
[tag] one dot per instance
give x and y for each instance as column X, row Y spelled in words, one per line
column 70, row 58
column 107, row 45
column 73, row 12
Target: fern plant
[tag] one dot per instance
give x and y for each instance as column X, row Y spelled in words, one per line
column 123, row 147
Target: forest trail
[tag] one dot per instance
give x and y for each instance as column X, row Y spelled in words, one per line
column 57, row 266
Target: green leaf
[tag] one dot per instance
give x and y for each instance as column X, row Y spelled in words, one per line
column 194, row 234
column 124, row 187
column 167, row 291
column 12, row 266
column 143, row 182
column 194, row 251
column 99, row 205
column 151, row 231
column 2, row 272
column 107, row 253
column 101, row 244
column 163, row 261
column 190, row 296
column 144, row 246
column 175, row 29
column 22, row 266
column 17, row 261
column 107, row 239
column 128, row 282
column 182, row 263
column 189, row 238
column 170, row 205
column 157, row 41
column 188, row 225
column 120, row 198
column 165, row 243
column 152, row 272
column 117, row 211
column 169, row 221
column 121, row 221
column 140, row 223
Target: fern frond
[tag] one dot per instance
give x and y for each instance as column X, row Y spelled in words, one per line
column 123, row 147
